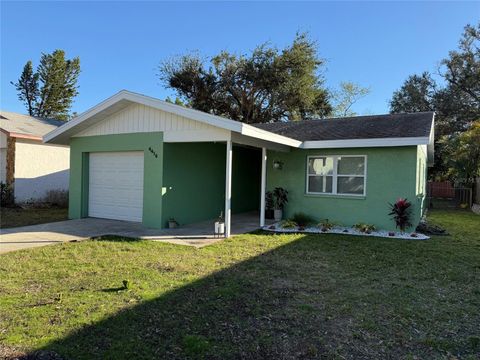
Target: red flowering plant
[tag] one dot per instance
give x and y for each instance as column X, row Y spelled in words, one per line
column 401, row 213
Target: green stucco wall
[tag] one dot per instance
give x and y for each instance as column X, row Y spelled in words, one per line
column 391, row 173
column 150, row 143
column 194, row 181
column 246, row 172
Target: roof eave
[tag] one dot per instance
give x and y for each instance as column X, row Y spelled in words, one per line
column 62, row 134
column 21, row 136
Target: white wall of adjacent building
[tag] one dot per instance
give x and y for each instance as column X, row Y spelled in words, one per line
column 39, row 168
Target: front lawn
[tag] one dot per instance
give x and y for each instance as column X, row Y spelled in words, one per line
column 13, row 217
column 252, row 297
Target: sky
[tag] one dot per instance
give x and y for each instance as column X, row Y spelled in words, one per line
column 120, row 44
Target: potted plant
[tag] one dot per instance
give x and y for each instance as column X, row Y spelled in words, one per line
column 268, row 205
column 220, row 224
column 172, row 223
column 401, row 214
column 280, row 199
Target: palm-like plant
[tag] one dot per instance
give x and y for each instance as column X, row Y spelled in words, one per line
column 280, row 198
column 401, row 213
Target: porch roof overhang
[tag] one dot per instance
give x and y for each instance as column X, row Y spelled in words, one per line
column 240, row 132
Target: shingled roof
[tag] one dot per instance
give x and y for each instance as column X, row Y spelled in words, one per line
column 18, row 125
column 358, row 127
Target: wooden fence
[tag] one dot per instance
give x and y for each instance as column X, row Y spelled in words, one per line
column 444, row 194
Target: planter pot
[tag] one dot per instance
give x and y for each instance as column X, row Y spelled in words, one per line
column 172, row 224
column 269, row 214
column 219, row 227
column 277, row 215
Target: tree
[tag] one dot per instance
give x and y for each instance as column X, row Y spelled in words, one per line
column 462, row 67
column 49, row 92
column 456, row 103
column 416, row 94
column 177, row 101
column 27, row 87
column 267, row 85
column 344, row 98
column 459, row 101
column 463, row 156
column 464, row 149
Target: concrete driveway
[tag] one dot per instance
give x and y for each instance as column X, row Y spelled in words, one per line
column 198, row 235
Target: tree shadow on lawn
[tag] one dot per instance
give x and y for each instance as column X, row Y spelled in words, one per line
column 286, row 303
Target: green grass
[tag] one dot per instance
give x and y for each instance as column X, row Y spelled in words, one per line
column 251, row 296
column 13, row 217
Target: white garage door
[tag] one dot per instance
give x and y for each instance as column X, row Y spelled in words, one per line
column 116, row 185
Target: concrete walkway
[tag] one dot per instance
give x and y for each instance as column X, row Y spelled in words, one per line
column 198, row 235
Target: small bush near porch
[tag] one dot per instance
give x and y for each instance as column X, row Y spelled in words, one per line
column 252, row 296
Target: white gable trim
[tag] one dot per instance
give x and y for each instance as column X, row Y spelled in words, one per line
column 69, row 129
column 359, row 143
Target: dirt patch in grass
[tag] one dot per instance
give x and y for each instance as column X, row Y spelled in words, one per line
column 14, row 217
column 252, row 297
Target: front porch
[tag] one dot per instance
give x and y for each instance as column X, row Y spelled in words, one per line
column 203, row 180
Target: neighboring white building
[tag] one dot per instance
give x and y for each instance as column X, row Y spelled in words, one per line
column 31, row 167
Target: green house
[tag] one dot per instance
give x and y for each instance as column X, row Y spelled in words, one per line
column 136, row 158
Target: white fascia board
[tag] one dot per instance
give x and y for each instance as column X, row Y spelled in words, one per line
column 431, row 144
column 147, row 101
column 258, row 143
column 83, row 116
column 252, row 131
column 192, row 114
column 358, row 143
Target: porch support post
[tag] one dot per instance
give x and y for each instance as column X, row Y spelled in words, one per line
column 228, row 189
column 263, row 186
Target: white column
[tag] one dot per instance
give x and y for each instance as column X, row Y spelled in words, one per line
column 263, row 186
column 228, row 189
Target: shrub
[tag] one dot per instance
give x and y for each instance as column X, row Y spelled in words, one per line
column 6, row 195
column 401, row 214
column 365, row 228
column 289, row 224
column 302, row 219
column 57, row 198
column 325, row 225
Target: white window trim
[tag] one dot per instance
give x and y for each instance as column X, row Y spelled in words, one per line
column 335, row 176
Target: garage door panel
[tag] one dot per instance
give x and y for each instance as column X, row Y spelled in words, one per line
column 116, row 185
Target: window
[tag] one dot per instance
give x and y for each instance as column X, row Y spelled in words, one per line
column 337, row 174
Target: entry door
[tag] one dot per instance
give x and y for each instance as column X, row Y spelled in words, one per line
column 115, row 188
